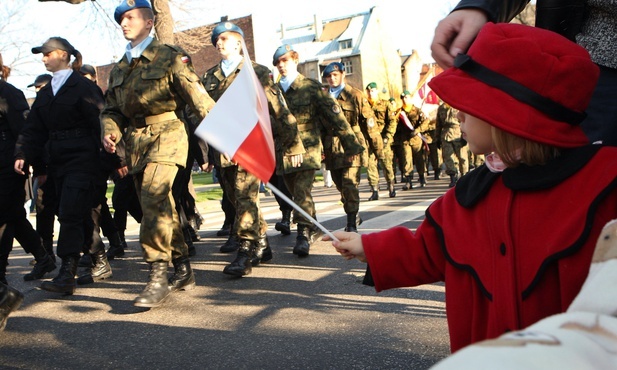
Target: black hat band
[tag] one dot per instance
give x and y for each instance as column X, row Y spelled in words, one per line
column 519, row 92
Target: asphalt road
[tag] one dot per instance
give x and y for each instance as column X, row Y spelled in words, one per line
column 292, row 313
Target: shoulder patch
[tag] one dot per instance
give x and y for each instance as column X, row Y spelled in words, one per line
column 336, row 108
column 185, row 59
column 371, row 122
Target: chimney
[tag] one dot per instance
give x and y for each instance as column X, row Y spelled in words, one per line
column 224, row 18
column 318, row 27
column 282, row 31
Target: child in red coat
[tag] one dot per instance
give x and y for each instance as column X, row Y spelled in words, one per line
column 513, row 239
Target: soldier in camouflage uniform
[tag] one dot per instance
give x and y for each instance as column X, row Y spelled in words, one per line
column 242, row 187
column 316, row 114
column 454, row 148
column 433, row 157
column 148, row 90
column 387, row 127
column 411, row 125
column 358, row 112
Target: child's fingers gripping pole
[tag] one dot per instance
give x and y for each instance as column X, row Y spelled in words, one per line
column 297, row 208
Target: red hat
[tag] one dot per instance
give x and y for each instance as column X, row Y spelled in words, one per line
column 527, row 81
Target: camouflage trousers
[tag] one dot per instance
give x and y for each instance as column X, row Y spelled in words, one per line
column 300, row 185
column 418, row 153
column 404, row 158
column 243, row 191
column 433, row 157
column 385, row 162
column 347, row 181
column 160, row 233
column 455, row 157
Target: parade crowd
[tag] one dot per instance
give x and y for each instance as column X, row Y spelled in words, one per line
column 512, row 147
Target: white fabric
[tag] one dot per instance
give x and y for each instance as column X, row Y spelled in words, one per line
column 135, row 52
column 59, row 78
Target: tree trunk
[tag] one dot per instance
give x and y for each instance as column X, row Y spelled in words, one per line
column 163, row 22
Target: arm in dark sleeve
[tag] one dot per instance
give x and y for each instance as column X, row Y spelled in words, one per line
column 497, row 10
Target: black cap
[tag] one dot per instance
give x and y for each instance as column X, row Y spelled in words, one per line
column 41, row 80
column 87, row 69
column 54, row 43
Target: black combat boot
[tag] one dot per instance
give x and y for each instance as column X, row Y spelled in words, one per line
column 183, row 277
column 374, row 195
column 231, row 245
column 453, row 180
column 302, row 241
column 437, row 174
column 100, row 270
column 408, row 185
column 65, row 281
column 284, row 226
column 263, row 252
column 116, row 246
column 85, row 260
column 422, row 181
column 225, row 230
column 241, row 266
column 44, row 264
column 391, row 191
column 352, row 223
column 157, row 289
column 189, row 241
column 10, row 300
column 193, row 227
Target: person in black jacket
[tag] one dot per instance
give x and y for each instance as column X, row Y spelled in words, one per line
column 64, row 123
column 13, row 220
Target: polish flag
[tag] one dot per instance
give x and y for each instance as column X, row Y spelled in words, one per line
column 239, row 124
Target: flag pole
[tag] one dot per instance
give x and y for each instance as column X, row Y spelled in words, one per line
column 302, row 212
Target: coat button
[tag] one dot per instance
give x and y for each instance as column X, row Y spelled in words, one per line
column 502, row 249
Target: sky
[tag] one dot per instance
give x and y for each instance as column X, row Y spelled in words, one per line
column 90, row 27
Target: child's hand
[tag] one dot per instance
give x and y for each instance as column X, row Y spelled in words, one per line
column 349, row 245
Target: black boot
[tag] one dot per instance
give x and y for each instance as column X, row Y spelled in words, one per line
column 49, row 247
column 231, row 245
column 284, row 226
column 263, row 252
column 193, row 227
column 422, row 181
column 10, row 300
column 302, row 241
column 352, row 225
column 225, row 230
column 44, row 264
column 453, row 180
column 100, row 270
column 116, row 246
column 189, row 241
column 157, row 289
column 374, row 195
column 391, row 191
column 85, row 260
column 241, row 266
column 408, row 185
column 437, row 173
column 183, row 277
column 65, row 281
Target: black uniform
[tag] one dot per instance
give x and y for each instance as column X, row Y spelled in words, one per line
column 67, row 125
column 13, row 220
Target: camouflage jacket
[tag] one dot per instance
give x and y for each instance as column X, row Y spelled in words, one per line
column 361, row 118
column 417, row 119
column 162, row 80
column 448, row 126
column 318, row 116
column 385, row 119
column 284, row 129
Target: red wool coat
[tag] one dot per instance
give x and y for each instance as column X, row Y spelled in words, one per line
column 512, row 248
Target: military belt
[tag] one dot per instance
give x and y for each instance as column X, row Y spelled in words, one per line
column 151, row 120
column 306, row 126
column 73, row 133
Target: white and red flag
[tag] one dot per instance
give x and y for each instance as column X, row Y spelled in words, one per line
column 239, row 124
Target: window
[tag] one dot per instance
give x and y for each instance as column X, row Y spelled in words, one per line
column 345, row 44
column 348, row 67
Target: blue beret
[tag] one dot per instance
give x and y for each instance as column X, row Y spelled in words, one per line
column 280, row 51
column 334, row 66
column 224, row 27
column 127, row 5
